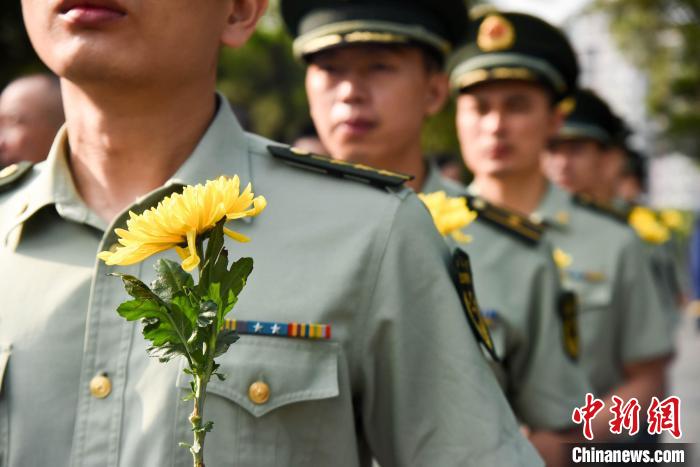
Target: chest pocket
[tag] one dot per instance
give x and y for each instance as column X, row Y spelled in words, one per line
column 4, row 417
column 279, row 397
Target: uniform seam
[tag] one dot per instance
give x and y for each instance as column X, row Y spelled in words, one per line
column 380, row 247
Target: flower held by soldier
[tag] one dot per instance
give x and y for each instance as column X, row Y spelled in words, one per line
column 180, row 218
column 449, row 214
column 182, row 318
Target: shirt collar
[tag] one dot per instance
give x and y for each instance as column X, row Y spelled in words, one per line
column 555, row 207
column 223, row 150
column 434, row 181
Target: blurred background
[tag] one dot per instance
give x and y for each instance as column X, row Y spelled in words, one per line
column 642, row 56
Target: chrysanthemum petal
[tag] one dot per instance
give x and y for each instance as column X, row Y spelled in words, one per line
column 239, row 237
column 182, row 217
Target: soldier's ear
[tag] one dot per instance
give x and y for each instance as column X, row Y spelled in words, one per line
column 438, row 92
column 556, row 120
column 243, row 16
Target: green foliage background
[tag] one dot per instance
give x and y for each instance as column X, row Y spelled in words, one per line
column 662, row 37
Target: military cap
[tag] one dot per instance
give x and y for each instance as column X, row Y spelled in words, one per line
column 592, row 118
column 322, row 24
column 507, row 46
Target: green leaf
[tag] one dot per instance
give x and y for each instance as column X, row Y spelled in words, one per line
column 165, row 327
column 206, row 428
column 237, row 276
column 207, row 313
column 226, row 338
column 189, row 306
column 215, row 258
column 136, row 288
column 170, row 279
column 134, row 310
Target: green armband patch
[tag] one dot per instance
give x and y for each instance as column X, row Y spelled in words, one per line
column 465, row 284
column 568, row 310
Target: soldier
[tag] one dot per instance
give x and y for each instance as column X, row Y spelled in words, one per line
column 513, row 81
column 358, row 80
column 583, row 157
column 587, row 158
column 30, row 114
column 402, row 377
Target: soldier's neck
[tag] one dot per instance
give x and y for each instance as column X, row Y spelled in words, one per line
column 124, row 144
column 522, row 193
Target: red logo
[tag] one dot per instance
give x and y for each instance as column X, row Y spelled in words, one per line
column 625, row 416
column 661, row 416
column 587, row 413
column 665, row 416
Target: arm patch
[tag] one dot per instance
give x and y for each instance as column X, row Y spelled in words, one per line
column 568, row 311
column 337, row 168
column 465, row 285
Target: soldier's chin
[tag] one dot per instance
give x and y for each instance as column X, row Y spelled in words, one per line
column 94, row 68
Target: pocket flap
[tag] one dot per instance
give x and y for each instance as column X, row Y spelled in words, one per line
column 293, row 370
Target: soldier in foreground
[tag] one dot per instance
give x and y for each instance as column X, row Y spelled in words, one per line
column 358, row 78
column 401, row 377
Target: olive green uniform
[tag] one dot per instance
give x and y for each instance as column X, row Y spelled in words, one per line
column 621, row 315
column 517, row 287
column 402, row 377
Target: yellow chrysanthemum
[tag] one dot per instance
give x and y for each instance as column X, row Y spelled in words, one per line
column 561, row 258
column 644, row 221
column 180, row 218
column 450, row 215
column 674, row 220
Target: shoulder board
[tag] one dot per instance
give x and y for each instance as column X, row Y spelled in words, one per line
column 13, row 174
column 606, row 209
column 509, row 221
column 337, row 168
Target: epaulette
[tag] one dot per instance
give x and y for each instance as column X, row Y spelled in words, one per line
column 338, row 168
column 12, row 174
column 620, row 215
column 509, row 221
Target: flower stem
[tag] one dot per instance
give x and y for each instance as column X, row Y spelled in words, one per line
column 200, row 394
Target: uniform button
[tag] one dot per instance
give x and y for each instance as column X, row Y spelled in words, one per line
column 259, row 392
column 100, row 386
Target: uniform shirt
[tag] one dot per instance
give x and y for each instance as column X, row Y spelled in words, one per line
column 663, row 265
column 402, row 377
column 517, row 287
column 621, row 316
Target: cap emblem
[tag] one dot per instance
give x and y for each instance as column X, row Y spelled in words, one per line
column 495, row 33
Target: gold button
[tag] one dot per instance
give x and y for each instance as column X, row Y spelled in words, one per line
column 259, row 392
column 9, row 170
column 100, row 386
